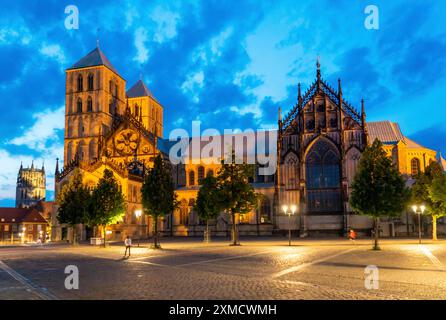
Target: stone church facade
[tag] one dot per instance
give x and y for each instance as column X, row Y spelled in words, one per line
column 319, row 144
column 30, row 187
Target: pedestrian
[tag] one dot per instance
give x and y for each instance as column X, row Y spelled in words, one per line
column 128, row 244
column 352, row 235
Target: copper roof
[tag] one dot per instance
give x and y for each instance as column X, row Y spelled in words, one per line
column 12, row 215
column 384, row 131
column 92, row 59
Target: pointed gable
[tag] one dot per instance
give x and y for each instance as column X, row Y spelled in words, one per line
column 92, row 59
column 139, row 89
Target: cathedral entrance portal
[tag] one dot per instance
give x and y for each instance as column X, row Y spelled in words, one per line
column 323, row 178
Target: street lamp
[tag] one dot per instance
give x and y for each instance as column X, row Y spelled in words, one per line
column 23, row 234
column 419, row 212
column 138, row 214
column 292, row 210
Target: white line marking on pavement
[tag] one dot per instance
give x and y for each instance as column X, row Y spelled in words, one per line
column 226, row 258
column 38, row 291
column 304, row 265
column 149, row 263
column 432, row 258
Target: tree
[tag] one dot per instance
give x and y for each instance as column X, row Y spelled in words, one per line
column 208, row 204
column 73, row 200
column 107, row 202
column 235, row 192
column 437, row 194
column 421, row 193
column 378, row 189
column 158, row 194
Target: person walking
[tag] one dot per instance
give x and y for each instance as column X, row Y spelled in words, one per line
column 128, row 245
column 352, row 235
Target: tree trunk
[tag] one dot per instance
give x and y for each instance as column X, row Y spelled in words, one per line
column 234, row 230
column 74, row 235
column 104, row 231
column 207, row 236
column 434, row 227
column 376, row 244
column 155, row 234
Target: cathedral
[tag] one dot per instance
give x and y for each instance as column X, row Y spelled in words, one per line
column 30, row 187
column 317, row 145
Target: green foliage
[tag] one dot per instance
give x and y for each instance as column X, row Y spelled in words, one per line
column 424, row 192
column 208, row 204
column 158, row 190
column 437, row 194
column 235, row 192
column 73, row 201
column 378, row 189
column 158, row 193
column 107, row 201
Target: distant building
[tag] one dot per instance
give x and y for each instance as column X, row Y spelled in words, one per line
column 31, row 186
column 22, row 225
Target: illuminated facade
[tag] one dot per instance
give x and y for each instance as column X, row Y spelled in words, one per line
column 31, row 186
column 319, row 144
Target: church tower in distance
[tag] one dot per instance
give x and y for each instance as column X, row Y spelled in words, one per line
column 31, row 186
column 95, row 92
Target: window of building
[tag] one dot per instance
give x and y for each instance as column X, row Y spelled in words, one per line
column 90, row 82
column 415, row 166
column 136, row 109
column 80, row 83
column 30, row 227
column 191, row 178
column 200, row 173
column 89, row 104
column 79, row 105
column 265, row 211
column 6, row 227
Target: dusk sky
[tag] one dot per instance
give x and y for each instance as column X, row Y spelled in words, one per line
column 230, row 64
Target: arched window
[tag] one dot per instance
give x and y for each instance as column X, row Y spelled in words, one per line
column 210, row 172
column 191, row 178
column 79, row 105
column 80, row 83
column 200, row 173
column 415, row 166
column 89, row 104
column 323, row 178
column 136, row 109
column 90, row 81
column 110, row 107
column 110, row 87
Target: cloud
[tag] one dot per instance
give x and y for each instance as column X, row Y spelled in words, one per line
column 44, row 131
column 141, row 37
column 53, row 51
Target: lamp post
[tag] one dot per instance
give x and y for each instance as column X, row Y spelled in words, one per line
column 289, row 213
column 419, row 212
column 138, row 214
column 23, row 234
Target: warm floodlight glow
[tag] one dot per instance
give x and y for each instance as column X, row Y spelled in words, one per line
column 138, row 213
column 422, row 207
column 414, row 208
column 293, row 208
column 285, row 208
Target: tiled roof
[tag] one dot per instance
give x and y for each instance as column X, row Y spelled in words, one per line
column 139, row 89
column 385, row 131
column 12, row 215
column 94, row 58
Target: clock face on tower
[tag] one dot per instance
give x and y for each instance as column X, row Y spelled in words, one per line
column 126, row 142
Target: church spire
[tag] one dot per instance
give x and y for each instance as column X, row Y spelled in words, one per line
column 318, row 72
column 299, row 95
column 57, row 167
column 339, row 87
column 43, row 165
column 32, row 164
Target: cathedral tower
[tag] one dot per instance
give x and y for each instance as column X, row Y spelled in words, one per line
column 31, row 186
column 95, row 92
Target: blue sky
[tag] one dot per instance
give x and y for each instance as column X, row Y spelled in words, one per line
column 230, row 64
